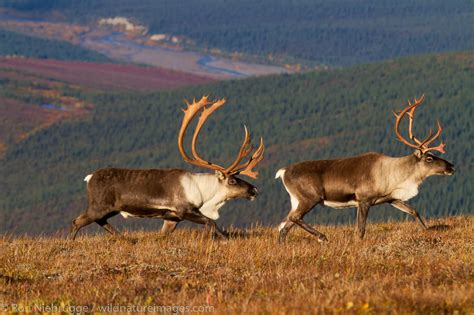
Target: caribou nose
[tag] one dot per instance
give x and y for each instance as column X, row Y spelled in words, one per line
column 254, row 192
column 450, row 171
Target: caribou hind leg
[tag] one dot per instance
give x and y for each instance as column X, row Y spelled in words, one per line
column 296, row 217
column 301, row 203
column 400, row 205
column 78, row 223
column 284, row 228
column 93, row 216
column 287, row 224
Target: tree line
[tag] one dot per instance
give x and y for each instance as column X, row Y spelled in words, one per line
column 340, row 33
column 316, row 115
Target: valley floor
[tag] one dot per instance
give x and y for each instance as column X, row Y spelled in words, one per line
column 397, row 268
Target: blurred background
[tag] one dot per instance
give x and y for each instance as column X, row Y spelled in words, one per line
column 91, row 84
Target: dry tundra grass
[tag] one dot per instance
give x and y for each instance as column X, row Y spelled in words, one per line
column 397, row 269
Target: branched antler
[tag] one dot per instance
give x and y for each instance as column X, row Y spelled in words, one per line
column 245, row 149
column 422, row 145
column 246, row 169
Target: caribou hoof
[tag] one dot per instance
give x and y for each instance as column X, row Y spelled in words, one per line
column 322, row 239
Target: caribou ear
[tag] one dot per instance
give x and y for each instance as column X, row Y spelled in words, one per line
column 220, row 175
column 418, row 153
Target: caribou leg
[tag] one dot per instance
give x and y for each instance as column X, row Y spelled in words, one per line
column 296, row 217
column 201, row 219
column 362, row 213
column 169, row 226
column 284, row 228
column 107, row 226
column 400, row 205
column 78, row 223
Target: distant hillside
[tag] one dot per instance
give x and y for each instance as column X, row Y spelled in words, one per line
column 36, row 93
column 309, row 116
column 341, row 32
column 13, row 43
column 101, row 76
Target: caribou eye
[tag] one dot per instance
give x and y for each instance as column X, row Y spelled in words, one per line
column 429, row 159
column 232, row 181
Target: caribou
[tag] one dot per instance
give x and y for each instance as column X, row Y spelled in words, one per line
column 363, row 181
column 172, row 194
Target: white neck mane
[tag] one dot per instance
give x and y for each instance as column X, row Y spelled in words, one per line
column 205, row 192
column 401, row 177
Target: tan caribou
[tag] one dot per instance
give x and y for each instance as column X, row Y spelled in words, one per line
column 172, row 194
column 363, row 181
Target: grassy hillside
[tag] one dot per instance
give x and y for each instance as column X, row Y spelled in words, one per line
column 341, row 32
column 13, row 43
column 397, row 269
column 310, row 116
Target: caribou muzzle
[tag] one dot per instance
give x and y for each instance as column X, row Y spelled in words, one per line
column 253, row 192
column 450, row 170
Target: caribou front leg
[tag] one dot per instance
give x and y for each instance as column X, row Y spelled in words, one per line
column 108, row 227
column 362, row 213
column 400, row 205
column 168, row 227
column 201, row 219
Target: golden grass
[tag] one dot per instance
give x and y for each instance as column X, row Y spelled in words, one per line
column 397, row 268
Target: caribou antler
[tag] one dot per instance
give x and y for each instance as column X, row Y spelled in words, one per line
column 245, row 149
column 246, row 168
column 422, row 145
column 189, row 114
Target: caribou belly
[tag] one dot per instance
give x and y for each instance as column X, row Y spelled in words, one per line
column 126, row 214
column 149, row 211
column 338, row 204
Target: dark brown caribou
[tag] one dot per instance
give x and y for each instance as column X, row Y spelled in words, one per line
column 363, row 181
column 172, row 194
